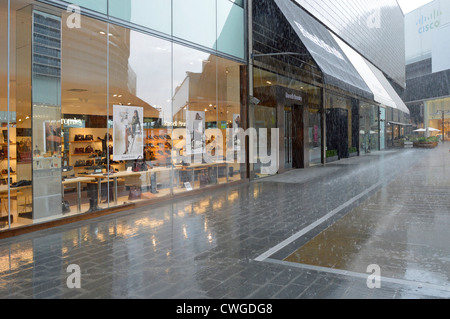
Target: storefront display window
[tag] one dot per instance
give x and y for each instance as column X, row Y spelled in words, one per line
column 368, row 128
column 437, row 116
column 100, row 118
column 85, row 115
column 6, row 162
column 339, row 125
column 314, row 98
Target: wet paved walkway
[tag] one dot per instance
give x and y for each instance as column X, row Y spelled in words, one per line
column 303, row 234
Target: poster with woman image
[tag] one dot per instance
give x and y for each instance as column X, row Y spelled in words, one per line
column 52, row 138
column 195, row 126
column 128, row 127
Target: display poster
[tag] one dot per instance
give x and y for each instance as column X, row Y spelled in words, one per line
column 52, row 137
column 236, row 126
column 195, row 127
column 128, row 140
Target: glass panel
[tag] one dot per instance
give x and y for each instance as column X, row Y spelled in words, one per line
column 203, row 31
column 46, row 114
column 85, row 117
column 230, row 115
column 314, row 98
column 22, row 189
column 382, row 128
column 338, row 125
column 230, row 29
column 96, row 5
column 140, row 102
column 4, row 211
column 368, row 128
column 194, row 111
column 315, row 137
column 153, row 14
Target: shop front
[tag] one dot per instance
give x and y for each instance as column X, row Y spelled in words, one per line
column 437, row 118
column 293, row 108
column 306, row 85
column 106, row 117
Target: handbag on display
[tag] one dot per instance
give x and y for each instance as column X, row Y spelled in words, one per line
column 139, row 165
column 65, row 207
column 79, row 137
column 79, row 150
column 88, row 149
column 89, row 137
column 135, row 193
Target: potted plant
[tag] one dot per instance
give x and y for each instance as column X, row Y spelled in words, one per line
column 353, row 151
column 426, row 142
column 332, row 155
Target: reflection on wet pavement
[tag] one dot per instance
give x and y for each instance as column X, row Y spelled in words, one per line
column 403, row 228
column 204, row 246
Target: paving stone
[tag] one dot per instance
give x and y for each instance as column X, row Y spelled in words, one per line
column 210, row 252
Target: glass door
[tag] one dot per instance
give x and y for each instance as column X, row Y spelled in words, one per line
column 288, row 138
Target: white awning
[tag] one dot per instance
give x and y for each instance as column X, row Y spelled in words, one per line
column 336, row 68
column 382, row 90
column 388, row 87
column 380, row 94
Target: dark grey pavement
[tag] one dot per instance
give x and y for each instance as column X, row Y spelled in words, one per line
column 303, row 234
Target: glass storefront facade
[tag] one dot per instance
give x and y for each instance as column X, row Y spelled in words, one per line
column 114, row 112
column 437, row 116
column 369, row 129
column 293, row 108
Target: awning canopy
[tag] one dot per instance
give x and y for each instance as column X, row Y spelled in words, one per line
column 379, row 92
column 400, row 105
column 398, row 123
column 337, row 70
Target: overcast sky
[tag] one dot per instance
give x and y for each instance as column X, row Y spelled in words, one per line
column 410, row 5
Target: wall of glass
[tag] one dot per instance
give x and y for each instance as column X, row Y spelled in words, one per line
column 109, row 116
column 437, row 116
column 4, row 167
column 219, row 24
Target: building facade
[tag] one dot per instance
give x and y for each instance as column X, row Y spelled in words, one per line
column 325, row 53
column 101, row 101
column 111, row 104
column 428, row 67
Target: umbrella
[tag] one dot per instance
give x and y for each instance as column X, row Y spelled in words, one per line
column 430, row 129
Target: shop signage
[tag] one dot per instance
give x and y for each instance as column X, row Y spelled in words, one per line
column 315, row 39
column 292, row 96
